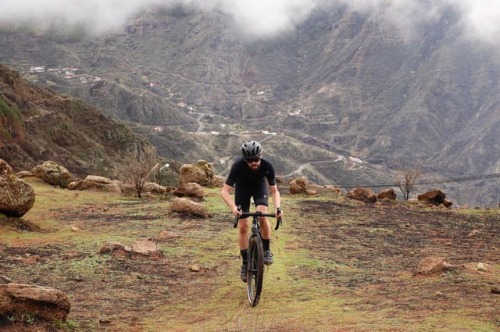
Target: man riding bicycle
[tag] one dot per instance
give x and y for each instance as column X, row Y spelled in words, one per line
column 248, row 176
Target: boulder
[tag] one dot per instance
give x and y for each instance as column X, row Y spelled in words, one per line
column 138, row 248
column 53, row 174
column 362, row 194
column 188, row 207
column 201, row 172
column 190, row 189
column 44, row 302
column 218, row 181
column 145, row 248
column 433, row 266
column 16, row 196
column 298, row 186
column 434, row 197
column 388, row 194
column 154, row 188
column 94, row 182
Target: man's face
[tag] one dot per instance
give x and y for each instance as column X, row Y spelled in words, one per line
column 253, row 163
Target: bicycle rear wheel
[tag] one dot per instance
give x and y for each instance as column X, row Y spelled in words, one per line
column 255, row 269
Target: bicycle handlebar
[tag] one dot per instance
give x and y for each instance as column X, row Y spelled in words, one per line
column 279, row 221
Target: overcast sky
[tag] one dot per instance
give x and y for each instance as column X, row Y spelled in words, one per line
column 257, row 17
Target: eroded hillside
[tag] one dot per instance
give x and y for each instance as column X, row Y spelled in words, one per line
column 40, row 125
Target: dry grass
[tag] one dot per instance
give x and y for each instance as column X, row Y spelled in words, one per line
column 340, row 266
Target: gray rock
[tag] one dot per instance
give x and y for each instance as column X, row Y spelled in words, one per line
column 16, row 196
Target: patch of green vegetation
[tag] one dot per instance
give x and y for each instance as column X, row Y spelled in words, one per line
column 10, row 119
column 87, row 267
column 9, row 111
column 455, row 320
column 22, row 318
column 69, row 325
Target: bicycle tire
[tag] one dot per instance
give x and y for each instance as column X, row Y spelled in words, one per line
column 255, row 269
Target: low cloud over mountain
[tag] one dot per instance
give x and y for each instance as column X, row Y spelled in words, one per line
column 256, row 18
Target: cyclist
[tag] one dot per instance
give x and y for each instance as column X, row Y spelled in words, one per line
column 248, row 176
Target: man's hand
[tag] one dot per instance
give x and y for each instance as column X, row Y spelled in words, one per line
column 279, row 213
column 237, row 211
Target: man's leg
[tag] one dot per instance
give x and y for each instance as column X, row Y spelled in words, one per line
column 265, row 230
column 242, row 198
column 243, row 244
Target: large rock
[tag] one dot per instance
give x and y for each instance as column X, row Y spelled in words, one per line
column 145, row 248
column 47, row 303
column 155, row 188
column 54, row 174
column 94, row 182
column 388, row 194
column 362, row 194
column 16, row 196
column 190, row 189
column 434, row 197
column 298, row 186
column 201, row 172
column 188, row 207
column 138, row 248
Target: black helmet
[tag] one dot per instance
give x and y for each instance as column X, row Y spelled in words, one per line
column 251, row 149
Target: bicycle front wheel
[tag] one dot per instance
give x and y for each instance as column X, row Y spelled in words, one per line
column 255, row 269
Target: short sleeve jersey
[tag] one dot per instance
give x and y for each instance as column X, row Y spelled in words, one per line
column 243, row 176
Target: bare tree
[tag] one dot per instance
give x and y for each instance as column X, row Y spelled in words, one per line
column 407, row 177
column 137, row 168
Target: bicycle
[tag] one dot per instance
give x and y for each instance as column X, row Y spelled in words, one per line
column 255, row 262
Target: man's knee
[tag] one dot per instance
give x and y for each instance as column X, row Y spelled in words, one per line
column 243, row 226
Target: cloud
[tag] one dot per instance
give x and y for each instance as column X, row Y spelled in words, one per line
column 259, row 18
column 268, row 18
column 482, row 18
column 97, row 15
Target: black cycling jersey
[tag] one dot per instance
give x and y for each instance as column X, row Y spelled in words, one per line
column 241, row 174
column 250, row 183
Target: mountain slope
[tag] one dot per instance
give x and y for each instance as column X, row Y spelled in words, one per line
column 38, row 125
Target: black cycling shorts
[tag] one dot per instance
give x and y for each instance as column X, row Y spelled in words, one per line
column 259, row 193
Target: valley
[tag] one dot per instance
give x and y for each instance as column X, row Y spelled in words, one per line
column 343, row 83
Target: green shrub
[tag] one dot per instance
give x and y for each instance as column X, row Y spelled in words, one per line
column 9, row 111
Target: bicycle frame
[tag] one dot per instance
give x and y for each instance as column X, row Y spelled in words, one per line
column 255, row 263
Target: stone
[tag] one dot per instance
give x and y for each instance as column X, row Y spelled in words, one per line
column 298, row 186
column 48, row 303
column 362, row 194
column 93, row 182
column 389, row 194
column 189, row 189
column 53, row 174
column 201, row 172
column 188, row 207
column 16, row 196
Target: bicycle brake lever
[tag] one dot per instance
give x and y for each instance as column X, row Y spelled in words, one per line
column 237, row 218
column 279, row 221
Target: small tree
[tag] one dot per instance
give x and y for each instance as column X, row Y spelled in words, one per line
column 137, row 168
column 407, row 177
